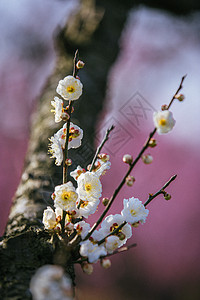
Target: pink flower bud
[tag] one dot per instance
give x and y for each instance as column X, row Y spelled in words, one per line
column 80, row 64
column 147, row 159
column 105, row 263
column 68, row 162
column 180, row 97
column 130, row 180
column 128, row 159
column 87, row 268
column 152, row 143
column 105, row 201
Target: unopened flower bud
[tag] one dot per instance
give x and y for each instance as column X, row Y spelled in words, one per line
column 53, row 196
column 164, row 107
column 87, row 268
column 121, row 236
column 147, row 159
column 65, row 116
column 130, row 180
column 105, row 263
column 104, row 157
column 68, row 162
column 128, row 159
column 152, row 143
column 167, row 196
column 105, row 201
column 180, row 97
column 136, row 224
column 80, row 64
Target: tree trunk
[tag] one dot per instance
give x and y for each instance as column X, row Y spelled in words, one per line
column 95, row 31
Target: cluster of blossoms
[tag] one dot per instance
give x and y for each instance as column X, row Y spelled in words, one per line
column 73, row 202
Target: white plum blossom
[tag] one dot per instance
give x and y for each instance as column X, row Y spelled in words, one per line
column 75, row 136
column 163, row 121
column 92, row 251
column 89, row 186
column 77, row 172
column 70, row 88
column 50, row 283
column 82, row 228
column 87, row 207
column 111, row 222
column 134, row 211
column 49, row 218
column 58, row 109
column 112, row 243
column 65, row 196
column 101, row 167
column 59, row 139
column 55, row 149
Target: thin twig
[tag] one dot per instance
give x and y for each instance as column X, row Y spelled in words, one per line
column 151, row 197
column 120, row 186
column 65, row 151
column 131, row 166
column 120, row 250
column 179, row 88
column 106, row 137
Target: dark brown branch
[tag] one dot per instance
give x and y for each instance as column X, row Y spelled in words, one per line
column 146, row 145
column 161, row 191
column 106, row 137
column 120, row 186
column 179, row 88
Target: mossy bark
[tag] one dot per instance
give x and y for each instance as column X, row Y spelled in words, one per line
column 95, row 31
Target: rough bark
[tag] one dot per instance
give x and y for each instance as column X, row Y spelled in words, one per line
column 95, row 31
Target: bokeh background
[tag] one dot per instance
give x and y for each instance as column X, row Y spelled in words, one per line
column 158, row 45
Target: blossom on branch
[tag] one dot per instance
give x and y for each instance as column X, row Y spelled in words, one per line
column 163, row 121
column 58, row 109
column 55, row 149
column 112, row 243
column 111, row 223
column 69, row 88
column 82, row 228
column 77, row 172
column 65, row 196
column 92, row 251
column 134, row 211
column 87, row 207
column 89, row 186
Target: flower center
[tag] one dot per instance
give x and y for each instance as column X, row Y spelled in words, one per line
column 162, row 122
column 66, row 196
column 114, row 226
column 133, row 212
column 88, row 187
column 70, row 89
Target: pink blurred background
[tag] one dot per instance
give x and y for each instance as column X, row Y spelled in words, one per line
column 157, row 49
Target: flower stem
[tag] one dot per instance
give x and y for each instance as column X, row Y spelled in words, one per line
column 106, row 137
column 179, row 88
column 65, row 151
column 151, row 197
column 131, row 166
column 120, row 186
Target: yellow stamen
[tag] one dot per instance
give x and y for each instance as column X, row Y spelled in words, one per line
column 88, row 187
column 66, row 196
column 162, row 122
column 70, row 89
